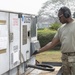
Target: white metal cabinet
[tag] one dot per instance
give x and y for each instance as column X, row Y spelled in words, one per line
column 25, row 37
column 14, row 40
column 4, row 42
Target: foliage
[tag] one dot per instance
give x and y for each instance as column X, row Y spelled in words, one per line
column 55, row 26
column 49, row 10
column 45, row 35
column 51, row 7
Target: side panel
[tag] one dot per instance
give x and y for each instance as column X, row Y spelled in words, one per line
column 4, row 43
column 14, row 40
column 7, row 73
column 25, row 37
column 14, row 71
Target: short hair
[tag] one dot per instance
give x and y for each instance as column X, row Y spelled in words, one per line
column 65, row 10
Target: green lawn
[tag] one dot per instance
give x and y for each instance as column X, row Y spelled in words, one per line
column 49, row 56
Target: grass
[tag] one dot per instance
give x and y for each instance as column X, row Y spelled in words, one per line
column 46, row 30
column 49, row 56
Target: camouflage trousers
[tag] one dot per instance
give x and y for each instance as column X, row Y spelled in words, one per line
column 68, row 65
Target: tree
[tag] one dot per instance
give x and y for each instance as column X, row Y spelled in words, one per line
column 51, row 7
column 49, row 10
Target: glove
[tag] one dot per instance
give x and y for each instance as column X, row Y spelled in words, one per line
column 36, row 52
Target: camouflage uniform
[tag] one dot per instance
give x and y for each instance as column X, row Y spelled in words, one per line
column 68, row 65
column 66, row 35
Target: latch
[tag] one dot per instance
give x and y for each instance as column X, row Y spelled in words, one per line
column 11, row 37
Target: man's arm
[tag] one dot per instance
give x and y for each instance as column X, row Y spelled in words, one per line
column 50, row 45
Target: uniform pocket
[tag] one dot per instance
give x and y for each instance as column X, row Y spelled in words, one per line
column 71, row 58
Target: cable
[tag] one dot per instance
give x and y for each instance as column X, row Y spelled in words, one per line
column 44, row 67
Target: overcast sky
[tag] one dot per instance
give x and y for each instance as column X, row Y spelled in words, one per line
column 26, row 6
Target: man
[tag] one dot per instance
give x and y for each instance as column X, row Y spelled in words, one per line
column 66, row 36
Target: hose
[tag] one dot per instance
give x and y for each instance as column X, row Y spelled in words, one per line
column 44, row 67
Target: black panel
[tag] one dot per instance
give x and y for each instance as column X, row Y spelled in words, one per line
column 24, row 39
column 33, row 27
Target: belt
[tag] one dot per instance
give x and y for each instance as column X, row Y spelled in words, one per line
column 70, row 53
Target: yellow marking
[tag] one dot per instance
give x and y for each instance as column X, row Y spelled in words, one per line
column 2, row 22
column 2, row 51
